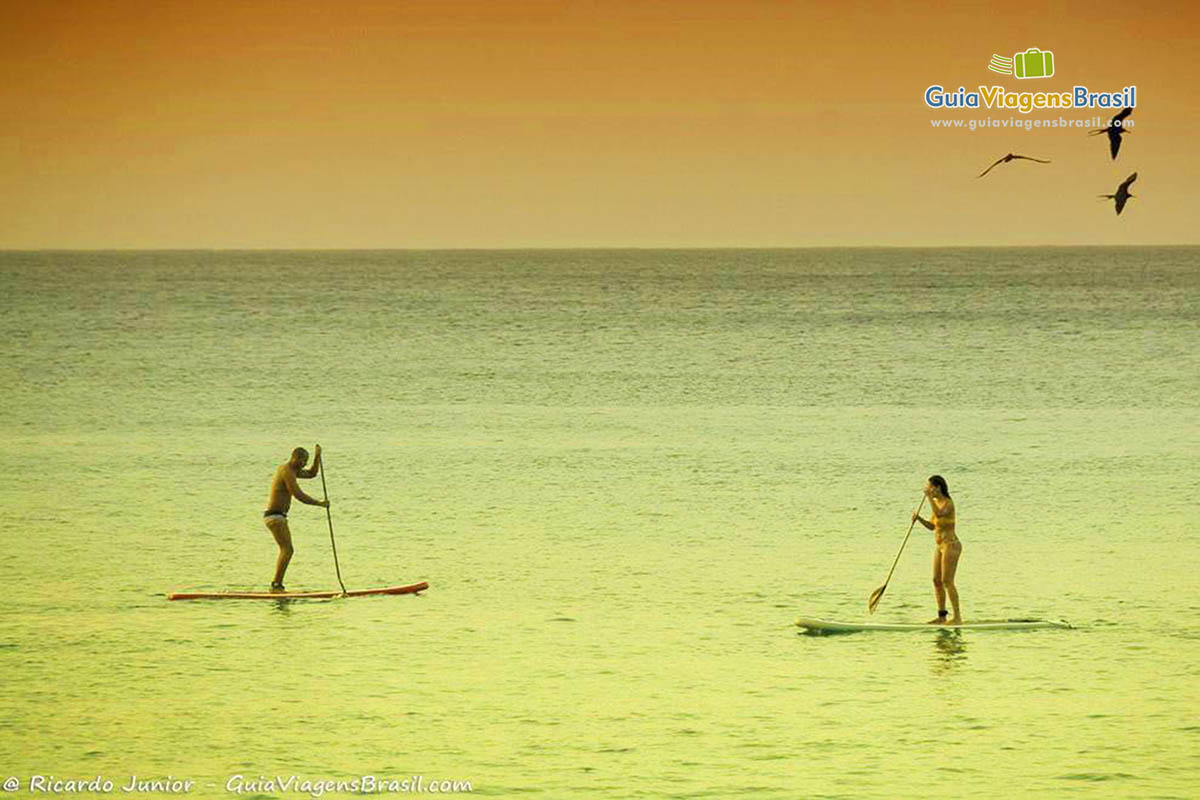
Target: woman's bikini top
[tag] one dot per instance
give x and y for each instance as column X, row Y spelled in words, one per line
column 942, row 525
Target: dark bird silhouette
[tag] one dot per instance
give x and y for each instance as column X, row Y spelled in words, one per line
column 1008, row 158
column 1122, row 192
column 1114, row 130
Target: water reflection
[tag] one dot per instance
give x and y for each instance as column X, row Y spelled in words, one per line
column 283, row 606
column 950, row 650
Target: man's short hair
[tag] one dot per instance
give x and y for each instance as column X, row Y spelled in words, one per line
column 300, row 452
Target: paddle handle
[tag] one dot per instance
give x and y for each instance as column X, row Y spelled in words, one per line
column 901, row 550
column 329, row 518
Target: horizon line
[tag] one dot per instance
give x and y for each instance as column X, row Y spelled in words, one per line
column 551, row 248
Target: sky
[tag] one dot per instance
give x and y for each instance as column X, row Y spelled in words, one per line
column 131, row 124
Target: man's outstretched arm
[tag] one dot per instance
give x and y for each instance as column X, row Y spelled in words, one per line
column 299, row 494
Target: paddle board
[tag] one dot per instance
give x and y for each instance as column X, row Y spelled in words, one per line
column 412, row 589
column 828, row 626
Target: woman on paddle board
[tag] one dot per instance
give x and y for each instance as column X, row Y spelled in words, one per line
column 947, row 547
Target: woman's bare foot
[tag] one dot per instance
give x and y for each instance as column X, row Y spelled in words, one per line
column 956, row 621
column 937, row 621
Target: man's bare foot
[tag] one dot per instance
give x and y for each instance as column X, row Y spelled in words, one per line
column 937, row 621
column 277, row 587
column 956, row 621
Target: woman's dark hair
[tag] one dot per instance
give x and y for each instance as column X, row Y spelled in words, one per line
column 940, row 483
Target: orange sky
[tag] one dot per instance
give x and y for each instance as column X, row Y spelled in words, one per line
column 543, row 124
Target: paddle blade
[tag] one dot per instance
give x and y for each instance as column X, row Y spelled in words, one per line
column 874, row 601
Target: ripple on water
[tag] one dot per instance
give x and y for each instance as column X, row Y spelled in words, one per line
column 1097, row 777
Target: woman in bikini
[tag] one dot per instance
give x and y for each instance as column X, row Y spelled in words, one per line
column 947, row 547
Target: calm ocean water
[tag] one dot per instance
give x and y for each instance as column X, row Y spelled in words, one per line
column 624, row 474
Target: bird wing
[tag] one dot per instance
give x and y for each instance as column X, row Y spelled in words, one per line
column 989, row 169
column 1030, row 158
column 1114, row 141
column 1121, row 198
column 1127, row 183
column 1125, row 112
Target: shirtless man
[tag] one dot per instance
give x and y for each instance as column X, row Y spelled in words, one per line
column 283, row 488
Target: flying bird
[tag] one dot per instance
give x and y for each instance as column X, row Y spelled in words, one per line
column 1122, row 192
column 1114, row 130
column 1008, row 158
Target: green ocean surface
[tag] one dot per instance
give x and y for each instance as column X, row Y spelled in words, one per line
column 624, row 474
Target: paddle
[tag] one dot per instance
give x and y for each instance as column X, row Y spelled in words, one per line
column 878, row 593
column 329, row 517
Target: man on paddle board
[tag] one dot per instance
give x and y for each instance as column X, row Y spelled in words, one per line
column 284, row 487
column 947, row 547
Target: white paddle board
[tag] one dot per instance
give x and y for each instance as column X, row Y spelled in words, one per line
column 829, row 626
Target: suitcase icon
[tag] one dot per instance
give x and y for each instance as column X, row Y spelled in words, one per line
column 1034, row 63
